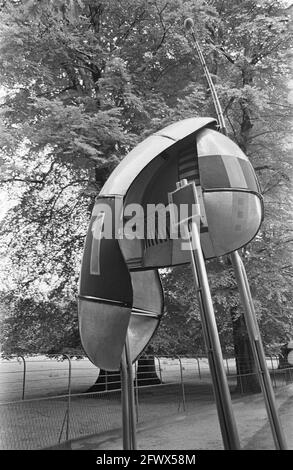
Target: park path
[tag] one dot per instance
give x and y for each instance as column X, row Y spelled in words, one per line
column 41, row 421
column 198, row 428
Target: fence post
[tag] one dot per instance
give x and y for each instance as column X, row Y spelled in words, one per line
column 67, row 413
column 23, row 376
column 276, row 372
column 69, row 397
column 241, row 386
column 227, row 364
column 182, row 384
column 198, row 367
column 273, row 371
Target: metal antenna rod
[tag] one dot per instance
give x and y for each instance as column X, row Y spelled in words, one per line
column 189, row 26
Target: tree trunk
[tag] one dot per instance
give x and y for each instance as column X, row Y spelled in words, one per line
column 111, row 380
column 246, row 122
column 106, row 380
column 247, row 378
column 146, row 372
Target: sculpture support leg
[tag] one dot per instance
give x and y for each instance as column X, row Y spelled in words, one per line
column 127, row 399
column 221, row 389
column 125, row 403
column 131, row 399
column 258, row 352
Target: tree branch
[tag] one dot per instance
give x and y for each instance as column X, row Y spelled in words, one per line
column 269, row 132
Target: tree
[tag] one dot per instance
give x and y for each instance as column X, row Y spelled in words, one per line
column 83, row 82
column 39, row 327
column 88, row 87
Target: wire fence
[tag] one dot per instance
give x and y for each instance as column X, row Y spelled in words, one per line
column 46, row 401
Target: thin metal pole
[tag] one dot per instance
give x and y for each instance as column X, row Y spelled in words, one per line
column 189, row 26
column 136, row 393
column 227, row 364
column 62, row 427
column 131, row 397
column 69, row 396
column 273, row 370
column 67, row 412
column 24, row 376
column 182, row 385
column 220, row 384
column 258, row 352
column 125, row 403
column 198, row 367
column 262, row 367
column 241, row 385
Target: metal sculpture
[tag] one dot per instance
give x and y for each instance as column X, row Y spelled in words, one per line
column 192, row 164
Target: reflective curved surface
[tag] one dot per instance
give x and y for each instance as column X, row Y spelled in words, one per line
column 119, row 270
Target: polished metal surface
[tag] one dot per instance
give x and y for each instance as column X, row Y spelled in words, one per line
column 117, row 267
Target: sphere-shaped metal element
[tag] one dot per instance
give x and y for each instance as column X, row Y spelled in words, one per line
column 119, row 284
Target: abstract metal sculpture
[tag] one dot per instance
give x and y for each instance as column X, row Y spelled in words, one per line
column 190, row 163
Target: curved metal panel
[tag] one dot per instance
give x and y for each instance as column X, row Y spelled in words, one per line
column 105, row 290
column 114, row 301
column 130, row 167
column 181, row 129
column 104, row 273
column 103, row 329
column 148, row 307
column 233, row 217
column 211, row 142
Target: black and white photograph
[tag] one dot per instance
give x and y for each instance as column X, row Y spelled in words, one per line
column 146, row 302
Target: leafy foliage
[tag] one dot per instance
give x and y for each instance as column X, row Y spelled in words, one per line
column 40, row 327
column 84, row 81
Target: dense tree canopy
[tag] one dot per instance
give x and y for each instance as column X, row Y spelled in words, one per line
column 83, row 81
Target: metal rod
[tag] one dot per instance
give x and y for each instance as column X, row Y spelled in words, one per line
column 220, row 384
column 258, row 352
column 125, row 403
column 265, row 379
column 182, row 385
column 189, row 26
column 198, row 367
column 62, row 427
column 227, row 364
column 24, row 376
column 273, row 370
column 131, row 397
column 69, row 396
column 136, row 393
